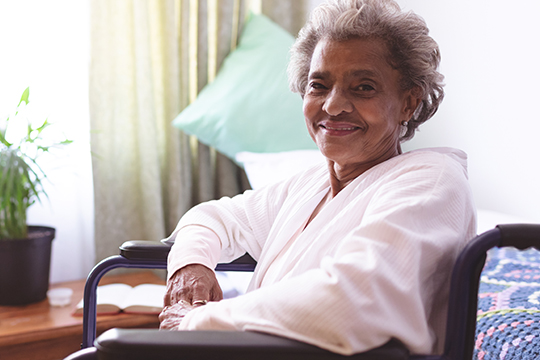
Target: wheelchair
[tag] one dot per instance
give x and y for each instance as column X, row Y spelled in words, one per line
column 137, row 344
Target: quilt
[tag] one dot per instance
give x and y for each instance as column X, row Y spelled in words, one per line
column 508, row 318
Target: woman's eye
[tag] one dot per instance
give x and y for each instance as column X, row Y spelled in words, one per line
column 316, row 88
column 315, row 85
column 365, row 87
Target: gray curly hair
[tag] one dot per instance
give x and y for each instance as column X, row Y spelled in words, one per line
column 412, row 51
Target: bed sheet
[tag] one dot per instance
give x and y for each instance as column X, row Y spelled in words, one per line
column 508, row 317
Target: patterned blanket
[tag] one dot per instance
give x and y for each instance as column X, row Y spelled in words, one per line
column 508, row 320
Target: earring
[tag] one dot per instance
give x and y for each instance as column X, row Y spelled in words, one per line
column 405, row 123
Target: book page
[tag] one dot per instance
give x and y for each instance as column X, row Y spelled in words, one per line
column 145, row 299
column 109, row 299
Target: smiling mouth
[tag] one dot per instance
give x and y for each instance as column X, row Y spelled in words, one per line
column 340, row 128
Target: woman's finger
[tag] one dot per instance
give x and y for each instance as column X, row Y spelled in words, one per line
column 201, row 296
column 216, row 294
column 168, row 319
column 171, row 316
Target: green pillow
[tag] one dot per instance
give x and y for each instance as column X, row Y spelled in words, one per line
column 249, row 107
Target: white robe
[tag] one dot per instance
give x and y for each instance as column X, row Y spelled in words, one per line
column 374, row 264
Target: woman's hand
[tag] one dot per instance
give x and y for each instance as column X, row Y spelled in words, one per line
column 190, row 287
column 171, row 316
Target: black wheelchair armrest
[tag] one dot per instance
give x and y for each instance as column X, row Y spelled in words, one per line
column 160, row 345
column 144, row 250
column 156, row 250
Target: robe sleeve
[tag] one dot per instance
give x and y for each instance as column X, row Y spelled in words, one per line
column 223, row 230
column 194, row 244
column 381, row 281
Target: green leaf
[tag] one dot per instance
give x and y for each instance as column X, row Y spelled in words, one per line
column 37, row 178
column 15, row 188
column 24, row 96
column 43, row 126
column 3, row 139
column 43, row 148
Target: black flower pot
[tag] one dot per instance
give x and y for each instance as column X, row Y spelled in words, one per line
column 24, row 267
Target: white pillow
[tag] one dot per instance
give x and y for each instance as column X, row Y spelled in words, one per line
column 267, row 168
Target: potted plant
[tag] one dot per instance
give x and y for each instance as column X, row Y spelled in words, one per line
column 25, row 251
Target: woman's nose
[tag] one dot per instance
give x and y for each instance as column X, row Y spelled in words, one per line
column 336, row 103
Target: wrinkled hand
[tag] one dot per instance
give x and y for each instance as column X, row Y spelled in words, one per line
column 190, row 287
column 171, row 316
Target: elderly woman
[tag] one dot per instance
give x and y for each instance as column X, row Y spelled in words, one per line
column 358, row 251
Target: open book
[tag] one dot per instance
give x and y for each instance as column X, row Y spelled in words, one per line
column 116, row 298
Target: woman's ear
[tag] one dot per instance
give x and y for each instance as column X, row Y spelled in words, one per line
column 411, row 102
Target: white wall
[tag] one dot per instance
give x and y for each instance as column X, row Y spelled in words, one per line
column 490, row 51
column 45, row 45
column 491, row 61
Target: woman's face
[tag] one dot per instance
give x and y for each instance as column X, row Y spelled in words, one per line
column 353, row 104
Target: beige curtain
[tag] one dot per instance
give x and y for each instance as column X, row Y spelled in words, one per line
column 149, row 59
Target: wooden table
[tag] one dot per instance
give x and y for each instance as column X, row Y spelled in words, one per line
column 40, row 331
